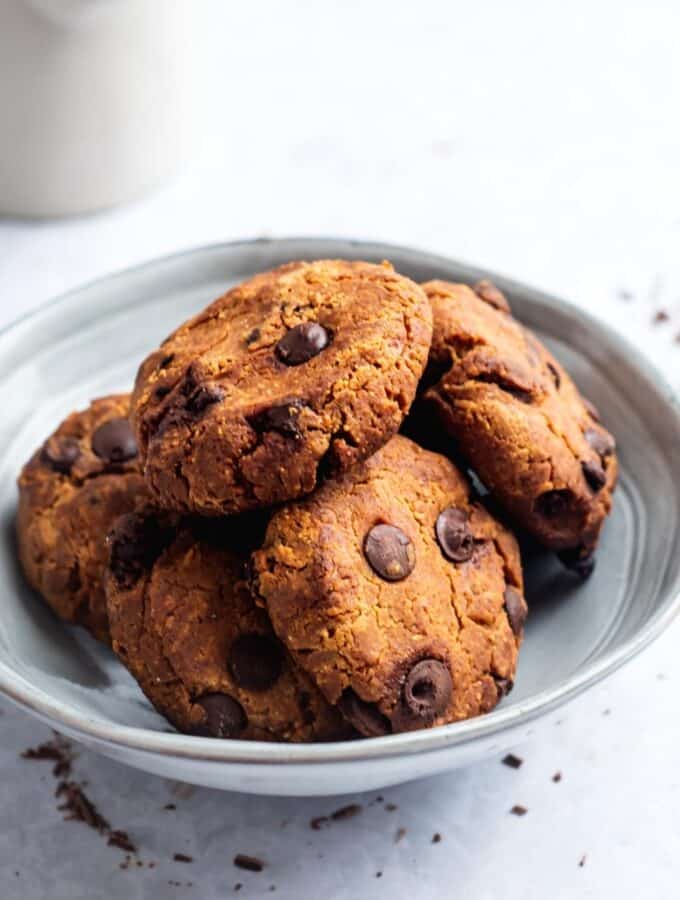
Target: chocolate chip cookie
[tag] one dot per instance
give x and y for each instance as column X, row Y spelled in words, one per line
column 398, row 594
column 514, row 413
column 183, row 622
column 74, row 487
column 291, row 376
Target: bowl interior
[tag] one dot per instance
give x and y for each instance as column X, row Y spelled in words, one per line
column 91, row 342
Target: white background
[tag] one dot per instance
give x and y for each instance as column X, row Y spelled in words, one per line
column 538, row 139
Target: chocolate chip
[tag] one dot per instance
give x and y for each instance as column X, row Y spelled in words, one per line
column 593, row 411
column 255, row 661
column 302, row 343
column 389, row 552
column 426, row 692
column 204, row 395
column 135, row 542
column 114, row 441
column 488, row 292
column 519, row 810
column 577, row 560
column 516, row 609
column 503, row 686
column 600, row 441
column 224, row 716
column 556, row 377
column 365, row 717
column 282, row 418
column 253, row 336
column 60, row 453
column 165, row 362
column 453, row 534
column 161, row 391
column 594, row 474
column 553, row 503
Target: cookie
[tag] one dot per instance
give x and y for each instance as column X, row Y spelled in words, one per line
column 511, row 410
column 291, row 376
column 72, row 490
column 400, row 596
column 184, row 624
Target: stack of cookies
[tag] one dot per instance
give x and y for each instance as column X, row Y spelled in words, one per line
column 298, row 526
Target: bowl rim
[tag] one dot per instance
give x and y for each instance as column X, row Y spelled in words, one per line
column 213, row 750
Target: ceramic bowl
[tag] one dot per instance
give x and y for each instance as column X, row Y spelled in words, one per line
column 90, row 341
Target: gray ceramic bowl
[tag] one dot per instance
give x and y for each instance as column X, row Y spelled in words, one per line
column 89, row 343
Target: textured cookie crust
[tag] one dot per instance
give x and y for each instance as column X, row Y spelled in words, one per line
column 293, row 375
column 517, row 417
column 399, row 619
column 69, row 497
column 184, row 624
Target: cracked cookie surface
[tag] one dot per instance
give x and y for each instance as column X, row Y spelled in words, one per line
column 515, row 415
column 291, row 376
column 399, row 595
column 184, row 623
column 71, row 491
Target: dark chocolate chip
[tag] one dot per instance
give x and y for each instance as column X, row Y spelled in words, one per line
column 581, row 562
column 161, row 391
column 253, row 336
column 165, row 362
column 516, row 609
column 302, row 343
column 282, row 418
column 594, row 474
column 600, row 441
column 255, row 661
column 60, row 453
column 488, row 292
column 204, row 396
column 503, row 686
column 114, row 441
column 556, row 377
column 453, row 534
column 553, row 503
column 365, row 717
column 593, row 411
column 135, row 543
column 390, row 552
column 426, row 693
column 506, row 384
column 224, row 716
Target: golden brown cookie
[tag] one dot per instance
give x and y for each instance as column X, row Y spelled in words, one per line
column 517, row 417
column 400, row 596
column 293, row 375
column 70, row 493
column 183, row 622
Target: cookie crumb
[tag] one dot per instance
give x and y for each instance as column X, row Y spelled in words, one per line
column 557, row 777
column 436, row 838
column 399, row 835
column 183, row 857
column 514, row 762
column 250, row 863
column 78, row 807
column 345, row 812
column 519, row 810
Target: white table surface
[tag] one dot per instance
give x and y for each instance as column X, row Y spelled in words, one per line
column 539, row 141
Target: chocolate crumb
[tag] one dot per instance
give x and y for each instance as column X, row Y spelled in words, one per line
column 238, row 886
column 79, row 808
column 250, row 863
column 58, row 751
column 436, row 838
column 169, row 806
column 514, row 762
column 378, row 874
column 182, row 857
column 519, row 810
column 400, row 833
column 390, row 807
column 661, row 316
column 318, row 822
column 346, row 812
column 582, row 861
column 557, row 777
column 121, row 840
